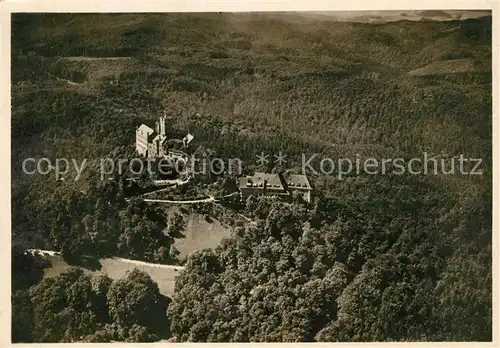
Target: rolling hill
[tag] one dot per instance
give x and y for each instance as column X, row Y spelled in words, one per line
column 381, row 257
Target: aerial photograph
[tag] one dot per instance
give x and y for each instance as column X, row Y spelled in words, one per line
column 251, row 177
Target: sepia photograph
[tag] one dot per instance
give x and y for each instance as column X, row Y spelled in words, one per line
column 251, row 176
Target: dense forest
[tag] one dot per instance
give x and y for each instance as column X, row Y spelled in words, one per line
column 74, row 307
column 372, row 258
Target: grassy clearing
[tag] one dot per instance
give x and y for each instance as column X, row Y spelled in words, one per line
column 116, row 269
column 200, row 234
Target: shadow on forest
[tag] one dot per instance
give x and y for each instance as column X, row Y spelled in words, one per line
column 88, row 262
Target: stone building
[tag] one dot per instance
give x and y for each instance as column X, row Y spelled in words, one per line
column 275, row 185
column 153, row 143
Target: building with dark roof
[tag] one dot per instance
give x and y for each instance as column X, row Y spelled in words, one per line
column 275, row 185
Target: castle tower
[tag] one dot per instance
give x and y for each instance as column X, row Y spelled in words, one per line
column 163, row 121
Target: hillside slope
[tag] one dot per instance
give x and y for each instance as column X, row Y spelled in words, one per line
column 199, row 234
column 257, row 83
column 386, row 257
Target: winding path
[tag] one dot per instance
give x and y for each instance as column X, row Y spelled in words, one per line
column 248, row 219
column 149, row 264
column 177, row 182
column 205, row 200
column 80, row 58
column 136, row 262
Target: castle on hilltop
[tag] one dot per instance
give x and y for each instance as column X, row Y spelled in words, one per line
column 153, row 143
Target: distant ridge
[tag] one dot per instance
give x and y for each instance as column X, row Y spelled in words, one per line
column 392, row 16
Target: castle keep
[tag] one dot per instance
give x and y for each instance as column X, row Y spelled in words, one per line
column 153, row 143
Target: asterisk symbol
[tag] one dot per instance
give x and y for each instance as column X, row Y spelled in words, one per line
column 262, row 159
column 280, row 159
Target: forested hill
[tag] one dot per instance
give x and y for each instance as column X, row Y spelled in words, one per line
column 374, row 257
